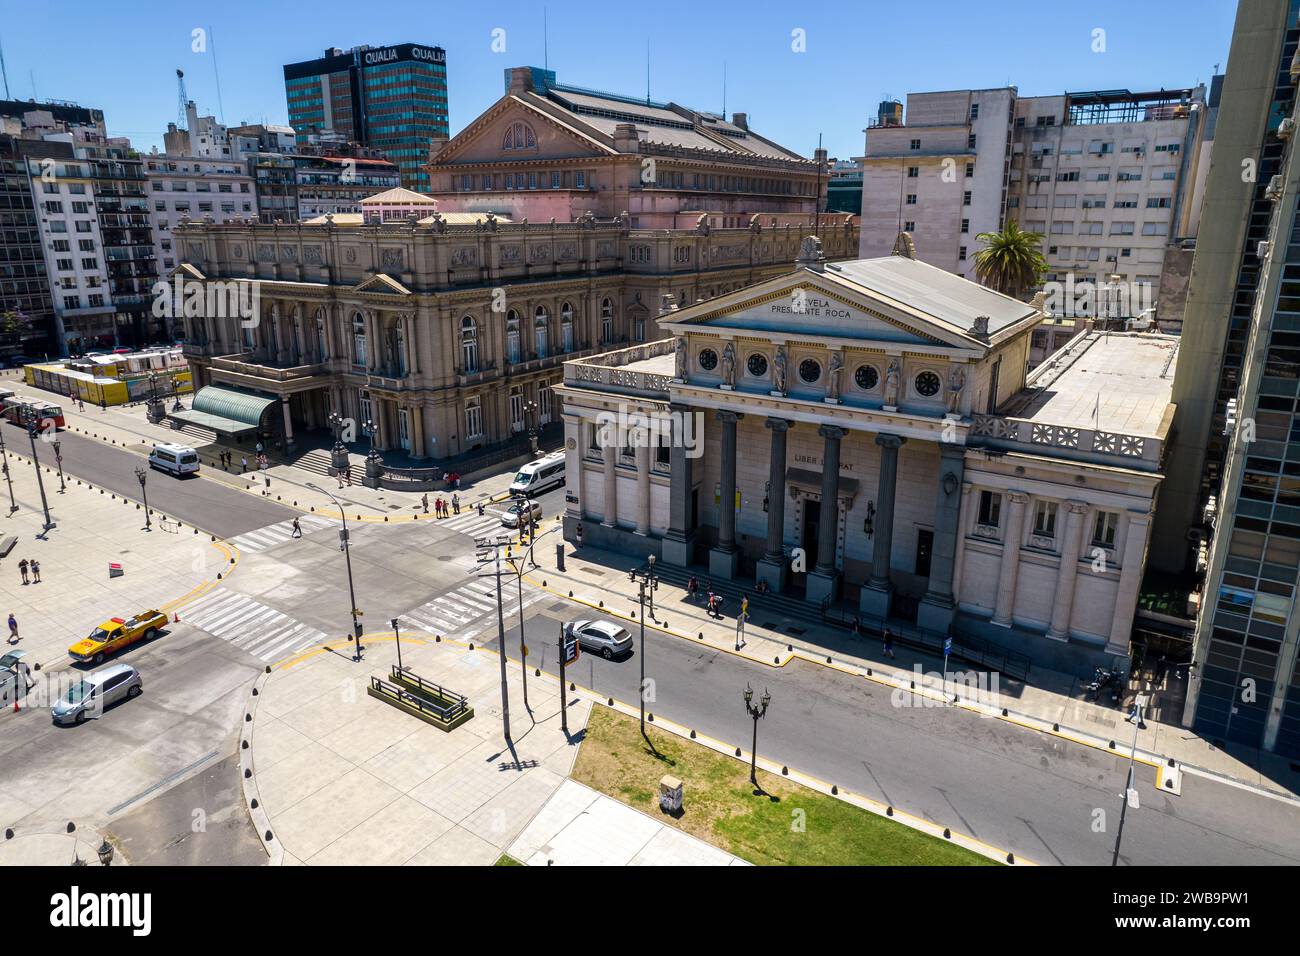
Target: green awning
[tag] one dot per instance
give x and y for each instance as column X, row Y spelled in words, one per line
column 226, row 410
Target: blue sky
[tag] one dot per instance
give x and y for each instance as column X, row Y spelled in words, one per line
column 121, row 56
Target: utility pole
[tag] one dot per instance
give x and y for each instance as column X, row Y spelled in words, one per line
column 1129, row 792
column 30, row 419
column 489, row 549
column 647, row 582
column 345, row 545
column 13, row 505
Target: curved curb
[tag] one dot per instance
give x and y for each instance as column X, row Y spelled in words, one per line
column 248, row 777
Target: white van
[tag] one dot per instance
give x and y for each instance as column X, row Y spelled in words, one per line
column 538, row 476
column 177, row 459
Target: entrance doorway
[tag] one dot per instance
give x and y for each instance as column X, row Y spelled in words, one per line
column 811, row 525
column 924, row 548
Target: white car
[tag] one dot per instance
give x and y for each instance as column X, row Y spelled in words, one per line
column 521, row 513
column 606, row 638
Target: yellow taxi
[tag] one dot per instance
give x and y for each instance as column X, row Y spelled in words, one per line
column 115, row 634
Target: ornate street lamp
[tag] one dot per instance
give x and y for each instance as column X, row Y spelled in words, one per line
column 31, row 421
column 58, row 460
column 340, row 451
column 530, row 416
column 142, row 475
column 757, row 713
column 105, row 852
column 647, row 581
column 154, row 409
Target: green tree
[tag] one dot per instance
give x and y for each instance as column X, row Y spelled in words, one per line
column 1011, row 261
column 12, row 327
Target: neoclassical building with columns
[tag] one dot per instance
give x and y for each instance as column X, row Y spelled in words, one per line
column 870, row 432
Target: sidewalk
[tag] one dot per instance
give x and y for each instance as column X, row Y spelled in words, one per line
column 127, row 427
column 598, row 579
column 161, row 568
column 57, row 848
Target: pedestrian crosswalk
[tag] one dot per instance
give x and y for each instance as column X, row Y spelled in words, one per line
column 471, row 523
column 249, row 625
column 471, row 608
column 278, row 533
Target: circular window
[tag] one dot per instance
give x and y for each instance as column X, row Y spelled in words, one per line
column 708, row 360
column 866, row 377
column 927, row 384
column 810, row 370
column 757, row 365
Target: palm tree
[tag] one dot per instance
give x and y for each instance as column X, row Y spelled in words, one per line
column 1011, row 261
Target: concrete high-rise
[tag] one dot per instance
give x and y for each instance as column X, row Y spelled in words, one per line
column 392, row 98
column 1237, row 389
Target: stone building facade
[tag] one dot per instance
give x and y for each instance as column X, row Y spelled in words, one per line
column 443, row 334
column 867, row 430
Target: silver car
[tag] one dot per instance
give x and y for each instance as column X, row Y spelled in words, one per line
column 606, row 638
column 96, row 692
column 521, row 513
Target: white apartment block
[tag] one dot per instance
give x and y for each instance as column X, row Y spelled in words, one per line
column 942, row 176
column 64, row 197
column 192, row 187
column 1104, row 176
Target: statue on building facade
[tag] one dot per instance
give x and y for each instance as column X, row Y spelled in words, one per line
column 834, row 367
column 956, row 382
column 778, row 370
column 729, row 365
column 893, row 378
column 680, row 355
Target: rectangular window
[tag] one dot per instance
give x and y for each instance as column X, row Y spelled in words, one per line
column 970, row 141
column 916, row 144
column 555, row 180
column 1045, row 519
column 965, row 198
column 961, row 253
column 913, row 172
column 1103, row 531
column 965, row 225
column 911, row 199
column 909, row 225
column 1121, row 228
column 970, row 170
column 990, row 508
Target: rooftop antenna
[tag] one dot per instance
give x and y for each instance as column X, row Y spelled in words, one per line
column 817, row 204
column 724, row 91
column 212, row 45
column 181, row 99
column 31, row 74
column 546, row 46
column 647, row 71
column 4, row 72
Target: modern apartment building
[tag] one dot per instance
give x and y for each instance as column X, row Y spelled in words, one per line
column 844, row 189
column 943, row 175
column 1243, row 339
column 194, row 187
column 24, row 282
column 1105, row 176
column 390, row 98
column 337, row 184
column 546, row 150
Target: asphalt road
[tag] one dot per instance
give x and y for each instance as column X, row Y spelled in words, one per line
column 201, row 502
column 1044, row 799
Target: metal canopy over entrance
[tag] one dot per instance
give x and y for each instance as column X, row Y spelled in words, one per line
column 227, row 411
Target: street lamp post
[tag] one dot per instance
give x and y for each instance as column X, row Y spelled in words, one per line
column 347, row 557
column 154, row 408
column 142, row 475
column 397, row 639
column 4, row 455
column 757, row 713
column 519, row 566
column 530, row 411
column 340, row 450
column 29, row 419
column 1138, row 724
column 647, row 582
column 58, row 460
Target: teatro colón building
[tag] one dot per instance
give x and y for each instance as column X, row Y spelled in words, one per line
column 868, row 435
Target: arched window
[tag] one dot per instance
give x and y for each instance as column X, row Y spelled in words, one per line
column 469, row 344
column 541, row 321
column 512, row 336
column 606, row 321
column 358, row 339
column 566, row 328
column 519, row 136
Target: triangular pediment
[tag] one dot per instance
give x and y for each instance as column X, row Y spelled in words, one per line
column 382, row 285
column 811, row 303
column 187, row 271
column 481, row 141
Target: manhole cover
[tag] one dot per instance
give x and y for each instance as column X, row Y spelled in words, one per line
column 596, row 572
column 446, row 557
column 394, row 507
column 558, row 606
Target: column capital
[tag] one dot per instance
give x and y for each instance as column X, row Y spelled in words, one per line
column 833, row 432
column 777, row 424
column 728, row 417
column 1018, row 497
column 890, row 441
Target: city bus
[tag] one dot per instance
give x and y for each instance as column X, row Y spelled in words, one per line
column 46, row 414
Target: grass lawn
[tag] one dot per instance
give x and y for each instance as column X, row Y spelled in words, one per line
column 506, row 860
column 788, row 824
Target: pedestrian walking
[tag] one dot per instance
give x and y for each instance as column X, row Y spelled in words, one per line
column 22, row 568
column 744, row 606
column 103, row 405
column 424, row 501
column 455, row 504
column 297, row 529
column 347, row 475
column 36, row 571
column 888, row 638
column 578, row 536
column 857, row 627
column 243, row 464
column 13, row 629
column 693, row 588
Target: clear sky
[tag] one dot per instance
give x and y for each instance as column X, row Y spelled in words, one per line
column 121, row 56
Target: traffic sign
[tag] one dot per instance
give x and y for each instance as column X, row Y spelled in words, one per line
column 947, row 646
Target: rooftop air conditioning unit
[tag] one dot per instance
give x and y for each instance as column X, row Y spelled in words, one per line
column 1285, row 128
column 1230, row 417
column 1261, row 250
